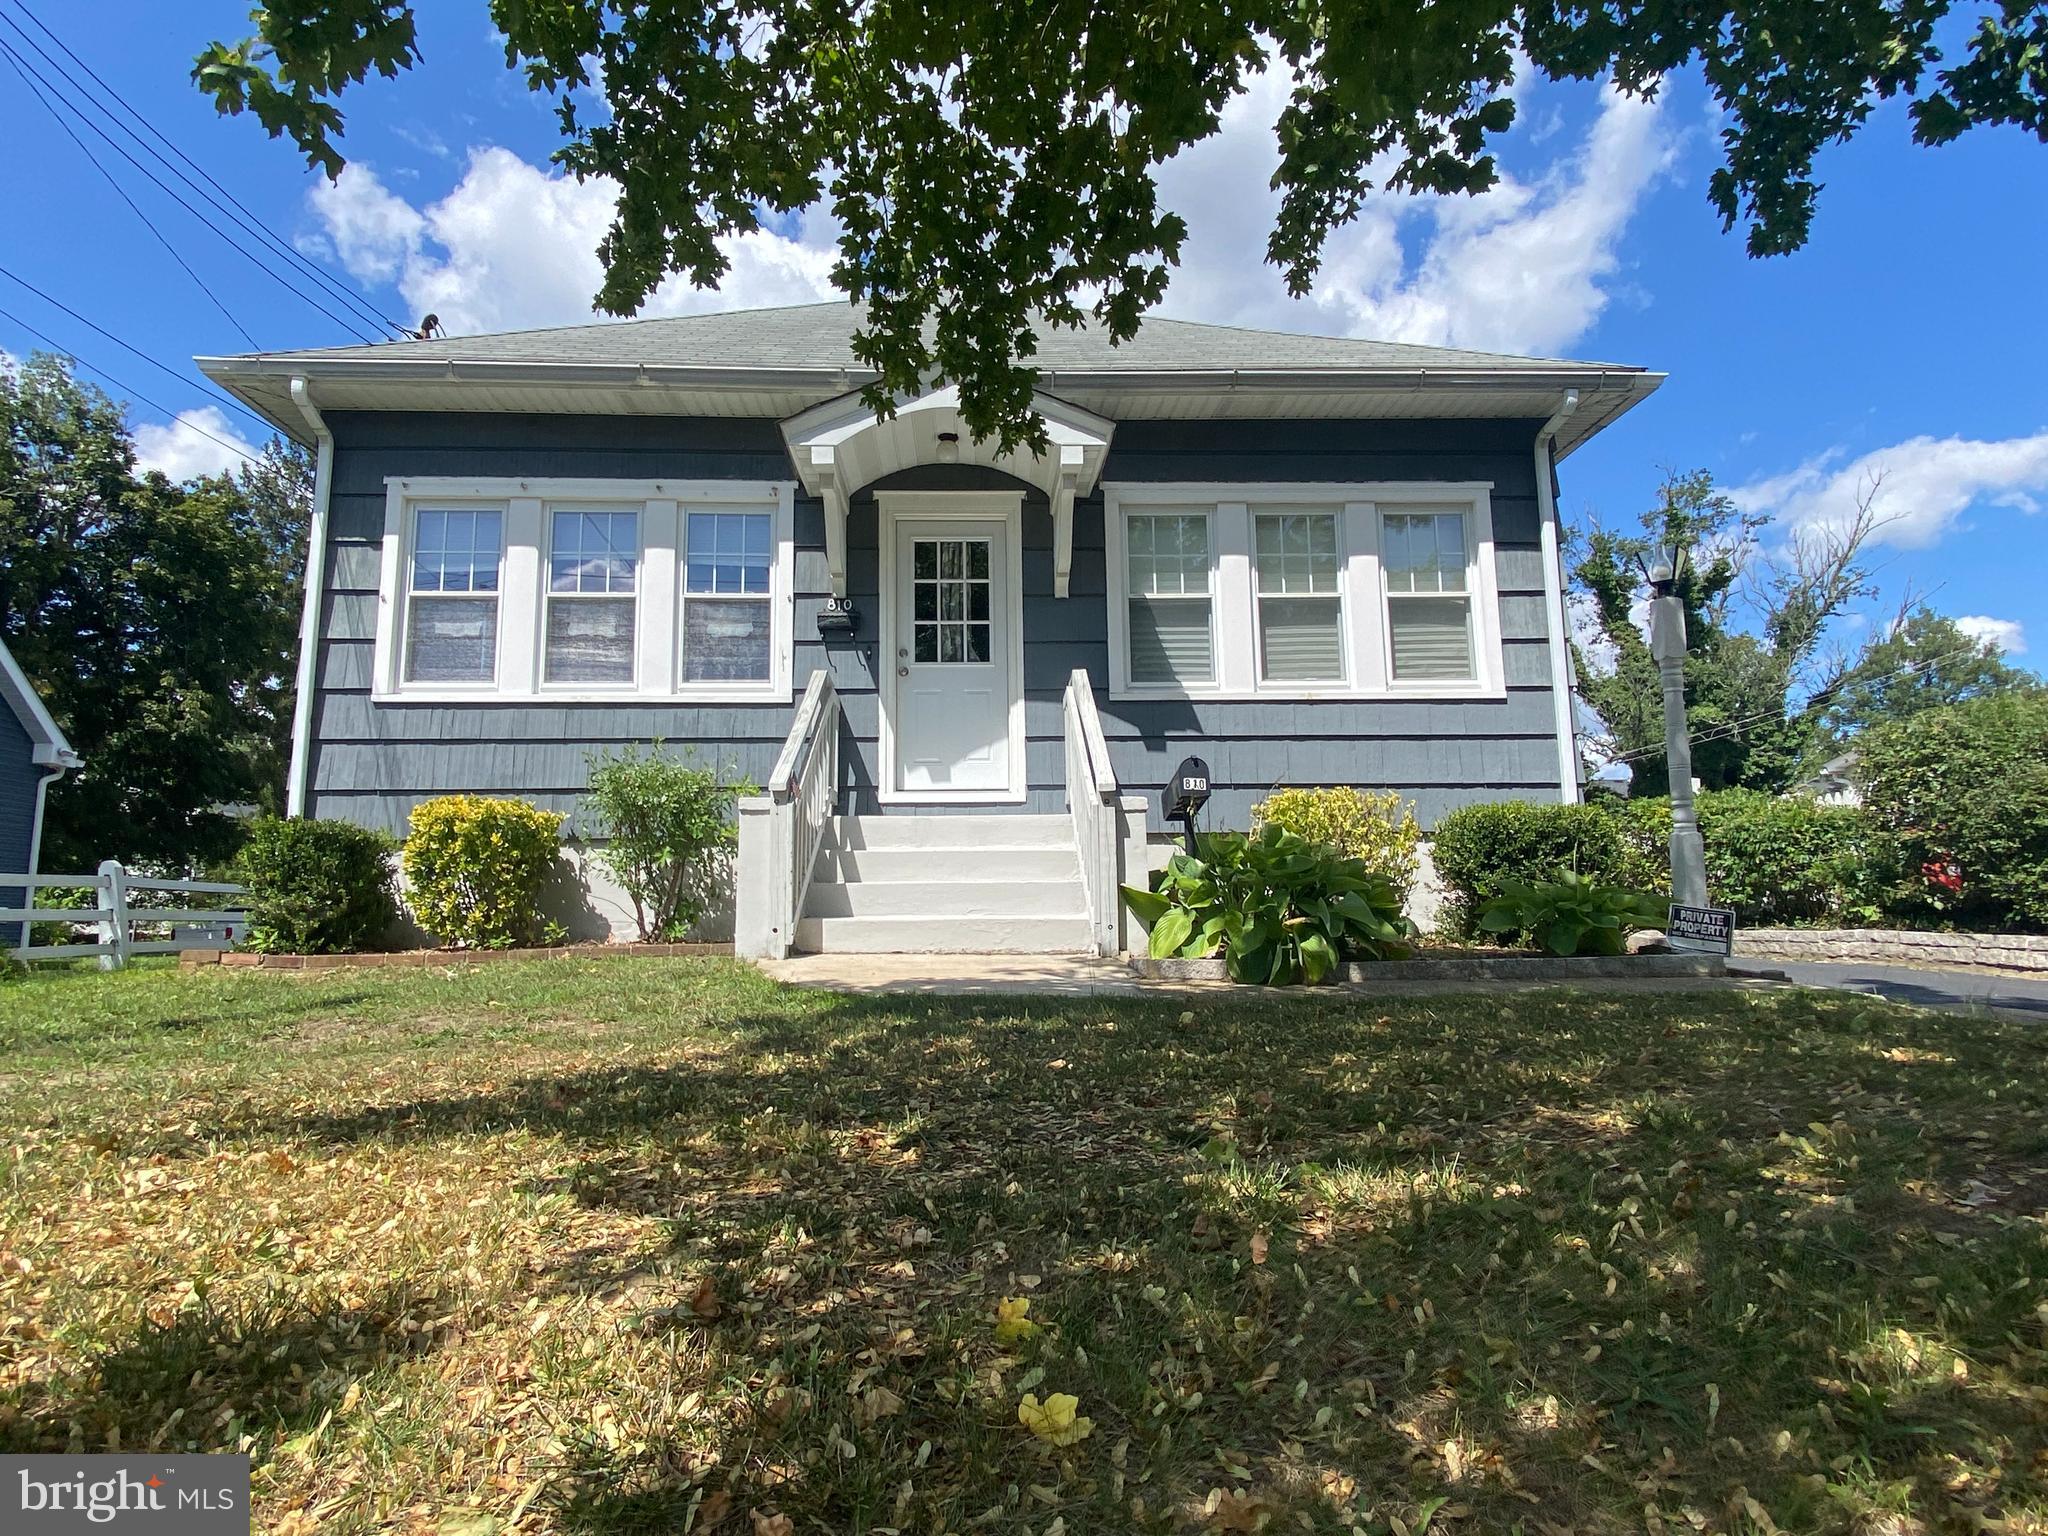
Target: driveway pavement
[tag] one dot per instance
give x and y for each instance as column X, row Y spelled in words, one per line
column 2017, row 995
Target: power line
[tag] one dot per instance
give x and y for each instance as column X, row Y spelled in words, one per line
column 21, row 69
column 163, row 367
column 240, row 213
column 211, row 224
column 176, row 419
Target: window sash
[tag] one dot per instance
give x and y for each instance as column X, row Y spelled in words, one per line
column 1297, row 595
column 1176, row 653
column 726, row 633
column 591, row 576
column 1429, row 638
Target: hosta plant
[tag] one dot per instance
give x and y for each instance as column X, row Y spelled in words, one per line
column 1572, row 915
column 1278, row 908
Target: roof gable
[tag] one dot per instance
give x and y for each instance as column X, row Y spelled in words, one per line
column 46, row 741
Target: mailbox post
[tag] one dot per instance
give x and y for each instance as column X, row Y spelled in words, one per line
column 1185, row 795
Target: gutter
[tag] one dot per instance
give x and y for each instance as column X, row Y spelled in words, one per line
column 295, row 784
column 55, row 765
column 1554, row 585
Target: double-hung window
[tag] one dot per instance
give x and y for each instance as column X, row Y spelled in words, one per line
column 1429, row 602
column 1167, row 557
column 1299, row 595
column 451, row 603
column 728, row 561
column 593, row 578
column 1308, row 590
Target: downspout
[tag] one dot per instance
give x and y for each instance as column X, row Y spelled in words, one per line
column 1554, row 594
column 52, row 772
column 295, row 784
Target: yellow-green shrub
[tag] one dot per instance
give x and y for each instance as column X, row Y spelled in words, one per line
column 474, row 868
column 1377, row 827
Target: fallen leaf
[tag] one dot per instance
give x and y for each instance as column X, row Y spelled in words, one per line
column 713, row 1509
column 1013, row 1320
column 1229, row 1510
column 704, row 1300
column 767, row 1524
column 1055, row 1420
column 1260, row 1247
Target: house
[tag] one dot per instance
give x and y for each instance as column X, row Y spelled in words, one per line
column 1833, row 783
column 33, row 754
column 961, row 675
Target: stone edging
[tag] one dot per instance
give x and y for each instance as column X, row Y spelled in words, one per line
column 422, row 959
column 1475, row 968
column 1904, row 946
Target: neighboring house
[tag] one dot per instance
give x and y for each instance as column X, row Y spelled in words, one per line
column 1833, row 783
column 1305, row 560
column 33, row 753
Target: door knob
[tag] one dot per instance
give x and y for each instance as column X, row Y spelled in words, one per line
column 903, row 671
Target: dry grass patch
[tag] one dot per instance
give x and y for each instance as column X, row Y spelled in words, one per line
column 641, row 1245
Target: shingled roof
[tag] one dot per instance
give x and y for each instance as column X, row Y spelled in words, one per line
column 821, row 336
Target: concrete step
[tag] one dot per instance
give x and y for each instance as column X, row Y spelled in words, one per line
column 975, row 832
column 964, row 864
column 936, row 936
column 945, row 898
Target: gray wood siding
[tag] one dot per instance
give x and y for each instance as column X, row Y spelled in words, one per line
column 373, row 762
column 18, row 779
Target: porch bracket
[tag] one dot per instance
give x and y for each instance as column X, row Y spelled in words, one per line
column 825, row 471
column 1065, row 489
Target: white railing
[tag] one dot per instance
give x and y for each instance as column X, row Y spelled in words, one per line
column 1098, row 823
column 781, row 831
column 117, row 917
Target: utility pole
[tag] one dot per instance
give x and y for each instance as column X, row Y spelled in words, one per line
column 1667, row 645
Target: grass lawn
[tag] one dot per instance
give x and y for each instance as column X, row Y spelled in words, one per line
column 647, row 1245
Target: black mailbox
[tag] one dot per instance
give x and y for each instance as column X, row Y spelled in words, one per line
column 1185, row 795
column 837, row 616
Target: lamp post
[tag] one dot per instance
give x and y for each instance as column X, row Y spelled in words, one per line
column 1667, row 645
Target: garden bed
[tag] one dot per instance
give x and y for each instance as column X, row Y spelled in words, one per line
column 1479, row 967
column 192, row 959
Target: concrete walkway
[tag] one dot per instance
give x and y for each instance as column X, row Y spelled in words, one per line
column 2024, row 997
column 1088, row 976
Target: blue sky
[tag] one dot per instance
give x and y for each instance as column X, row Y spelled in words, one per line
column 1908, row 339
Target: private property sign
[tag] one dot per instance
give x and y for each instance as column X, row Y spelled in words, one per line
column 1709, row 930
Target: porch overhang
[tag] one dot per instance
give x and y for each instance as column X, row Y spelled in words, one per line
column 844, row 445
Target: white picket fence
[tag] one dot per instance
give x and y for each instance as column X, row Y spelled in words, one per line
column 116, row 915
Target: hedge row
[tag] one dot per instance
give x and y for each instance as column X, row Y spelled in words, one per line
column 1953, row 831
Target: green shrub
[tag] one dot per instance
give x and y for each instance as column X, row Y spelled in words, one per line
column 1572, row 914
column 665, row 824
column 474, row 868
column 1378, row 829
column 1963, row 791
column 316, row 887
column 1278, row 907
column 1480, row 849
column 1774, row 860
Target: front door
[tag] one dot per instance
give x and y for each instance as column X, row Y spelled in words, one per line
column 953, row 694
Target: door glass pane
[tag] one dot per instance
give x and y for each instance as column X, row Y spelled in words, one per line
column 951, row 596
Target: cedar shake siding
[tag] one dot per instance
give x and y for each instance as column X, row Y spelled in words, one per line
column 371, row 761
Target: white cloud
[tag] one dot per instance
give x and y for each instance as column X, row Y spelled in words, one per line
column 1528, row 266
column 184, row 448
column 515, row 246
column 1923, row 485
column 2009, row 635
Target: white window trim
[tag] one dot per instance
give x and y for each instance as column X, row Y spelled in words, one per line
column 1004, row 508
column 1368, row 666
column 525, row 502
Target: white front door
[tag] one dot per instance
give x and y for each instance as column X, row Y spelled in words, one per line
column 954, row 674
